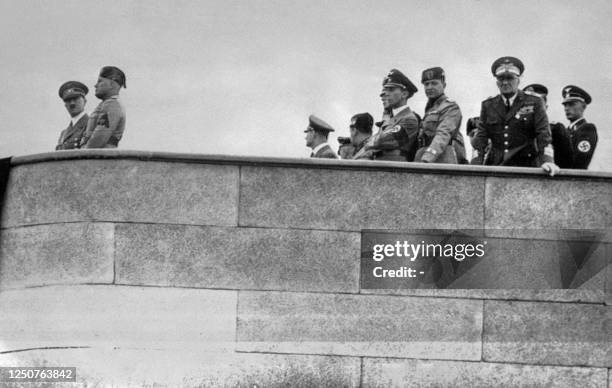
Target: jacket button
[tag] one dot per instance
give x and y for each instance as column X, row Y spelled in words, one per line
column 505, row 135
column 505, row 143
column 506, row 127
column 505, row 150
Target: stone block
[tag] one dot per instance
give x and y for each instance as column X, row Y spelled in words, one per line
column 113, row 316
column 569, row 295
column 537, row 203
column 56, row 254
column 193, row 368
column 547, row 333
column 451, row 374
column 121, row 190
column 355, row 200
column 359, row 325
column 237, row 258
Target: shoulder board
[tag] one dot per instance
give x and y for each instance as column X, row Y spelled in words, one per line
column 489, row 98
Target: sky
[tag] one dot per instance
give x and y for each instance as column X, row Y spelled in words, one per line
column 242, row 77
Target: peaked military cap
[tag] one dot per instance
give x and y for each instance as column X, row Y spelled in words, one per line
column 396, row 78
column 574, row 93
column 510, row 65
column 318, row 125
column 362, row 121
column 72, row 89
column 433, row 73
column 114, row 73
column 537, row 89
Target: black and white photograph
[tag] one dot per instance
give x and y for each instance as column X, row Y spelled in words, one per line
column 312, row 193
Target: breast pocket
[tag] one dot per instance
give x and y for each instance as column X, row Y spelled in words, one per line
column 430, row 123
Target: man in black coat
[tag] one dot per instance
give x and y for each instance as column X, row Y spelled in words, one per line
column 515, row 122
column 582, row 136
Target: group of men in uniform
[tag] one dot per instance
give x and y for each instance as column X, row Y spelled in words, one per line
column 106, row 124
column 512, row 129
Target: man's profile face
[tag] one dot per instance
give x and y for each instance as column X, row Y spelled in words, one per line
column 508, row 84
column 309, row 137
column 574, row 110
column 434, row 88
column 75, row 105
column 392, row 96
column 104, row 87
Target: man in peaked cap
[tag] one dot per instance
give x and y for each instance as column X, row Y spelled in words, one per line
column 397, row 138
column 515, row 122
column 73, row 94
column 107, row 122
column 581, row 134
column 316, row 138
column 440, row 140
column 560, row 136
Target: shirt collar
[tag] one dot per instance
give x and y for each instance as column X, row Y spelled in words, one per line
column 317, row 148
column 397, row 110
column 511, row 99
column 76, row 119
column 573, row 123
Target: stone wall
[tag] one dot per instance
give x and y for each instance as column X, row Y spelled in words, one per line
column 152, row 268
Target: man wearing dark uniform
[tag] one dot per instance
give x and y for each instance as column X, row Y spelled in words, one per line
column 360, row 130
column 316, row 138
column 560, row 138
column 107, row 122
column 515, row 122
column 441, row 122
column 397, row 138
column 582, row 135
column 73, row 94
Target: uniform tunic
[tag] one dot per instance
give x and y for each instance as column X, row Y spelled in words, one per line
column 324, row 152
column 70, row 138
column 439, row 128
column 106, row 125
column 574, row 146
column 519, row 137
column 396, row 140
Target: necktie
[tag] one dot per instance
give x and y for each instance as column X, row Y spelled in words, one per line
column 507, row 105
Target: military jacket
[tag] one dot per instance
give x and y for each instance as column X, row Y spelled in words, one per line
column 440, row 126
column 70, row 138
column 325, row 153
column 106, row 125
column 562, row 145
column 396, row 139
column 576, row 146
column 357, row 154
column 519, row 137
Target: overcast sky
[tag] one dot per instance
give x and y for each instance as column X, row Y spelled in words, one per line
column 241, row 77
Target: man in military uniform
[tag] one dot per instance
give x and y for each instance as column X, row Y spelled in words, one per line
column 316, row 138
column 560, row 137
column 397, row 138
column 581, row 134
column 73, row 94
column 107, row 122
column 515, row 122
column 441, row 122
column 360, row 130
